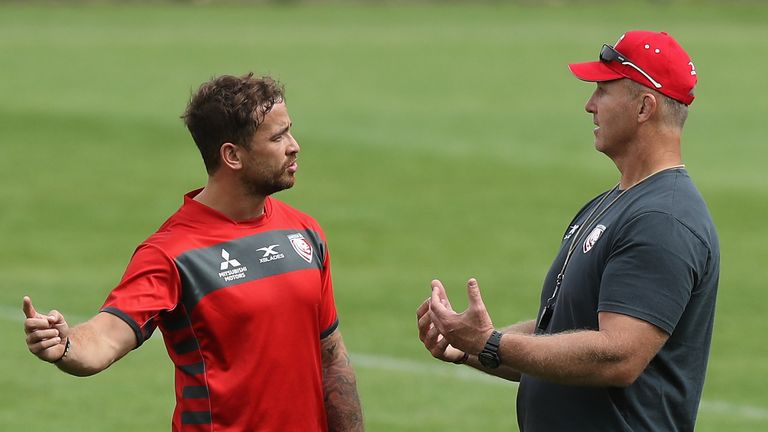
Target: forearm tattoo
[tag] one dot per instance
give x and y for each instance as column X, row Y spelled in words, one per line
column 342, row 403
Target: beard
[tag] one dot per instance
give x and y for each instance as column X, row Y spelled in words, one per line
column 262, row 182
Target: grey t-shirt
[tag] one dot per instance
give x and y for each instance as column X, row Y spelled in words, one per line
column 654, row 255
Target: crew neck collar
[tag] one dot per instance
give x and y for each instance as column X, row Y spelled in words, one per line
column 205, row 214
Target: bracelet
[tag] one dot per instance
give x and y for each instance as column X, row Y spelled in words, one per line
column 462, row 360
column 67, row 346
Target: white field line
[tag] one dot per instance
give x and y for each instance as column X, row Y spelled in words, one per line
column 434, row 368
column 368, row 361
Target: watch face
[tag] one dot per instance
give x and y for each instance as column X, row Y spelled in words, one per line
column 488, row 360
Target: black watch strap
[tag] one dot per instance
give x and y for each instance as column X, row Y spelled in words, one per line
column 489, row 356
column 493, row 342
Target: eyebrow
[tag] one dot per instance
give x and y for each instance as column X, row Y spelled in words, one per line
column 281, row 131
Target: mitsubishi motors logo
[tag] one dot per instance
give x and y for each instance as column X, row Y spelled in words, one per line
column 227, row 262
column 236, row 272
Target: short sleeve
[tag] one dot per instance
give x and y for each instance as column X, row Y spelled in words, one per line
column 328, row 318
column 149, row 286
column 654, row 264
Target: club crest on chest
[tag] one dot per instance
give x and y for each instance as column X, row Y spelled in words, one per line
column 592, row 238
column 301, row 246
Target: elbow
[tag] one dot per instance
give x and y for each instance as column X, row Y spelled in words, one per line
column 78, row 371
column 622, row 376
column 83, row 373
column 81, row 369
column 619, row 368
column 624, row 381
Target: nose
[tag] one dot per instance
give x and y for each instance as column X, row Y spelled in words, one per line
column 590, row 105
column 293, row 146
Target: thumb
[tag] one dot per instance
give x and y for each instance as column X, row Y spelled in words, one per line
column 473, row 293
column 29, row 310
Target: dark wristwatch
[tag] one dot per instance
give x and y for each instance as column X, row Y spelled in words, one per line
column 489, row 356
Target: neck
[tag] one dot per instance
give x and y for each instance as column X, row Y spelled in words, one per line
column 647, row 155
column 229, row 197
column 634, row 174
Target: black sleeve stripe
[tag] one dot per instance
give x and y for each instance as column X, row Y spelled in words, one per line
column 193, row 369
column 128, row 320
column 195, row 417
column 194, row 392
column 327, row 332
column 186, row 346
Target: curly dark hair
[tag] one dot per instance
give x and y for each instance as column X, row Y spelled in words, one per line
column 229, row 109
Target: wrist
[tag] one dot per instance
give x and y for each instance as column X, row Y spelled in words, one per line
column 462, row 360
column 489, row 356
column 67, row 347
column 479, row 344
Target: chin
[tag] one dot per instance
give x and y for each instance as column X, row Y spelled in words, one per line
column 600, row 146
column 283, row 186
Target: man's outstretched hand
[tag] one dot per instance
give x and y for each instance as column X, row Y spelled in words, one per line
column 466, row 331
column 46, row 334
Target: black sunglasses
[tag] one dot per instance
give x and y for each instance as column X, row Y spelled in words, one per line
column 609, row 54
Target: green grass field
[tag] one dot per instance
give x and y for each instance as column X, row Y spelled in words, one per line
column 437, row 141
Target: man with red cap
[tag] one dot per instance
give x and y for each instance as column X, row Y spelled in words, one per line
column 623, row 331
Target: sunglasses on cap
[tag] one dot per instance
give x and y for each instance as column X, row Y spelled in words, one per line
column 609, row 54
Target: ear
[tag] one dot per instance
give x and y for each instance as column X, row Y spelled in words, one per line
column 648, row 107
column 230, row 156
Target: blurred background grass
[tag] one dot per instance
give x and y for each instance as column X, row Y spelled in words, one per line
column 437, row 141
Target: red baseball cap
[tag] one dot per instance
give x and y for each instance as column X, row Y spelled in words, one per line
column 653, row 59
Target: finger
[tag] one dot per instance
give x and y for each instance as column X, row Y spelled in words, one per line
column 436, row 306
column 436, row 284
column 442, row 295
column 438, row 349
column 32, row 324
column 441, row 344
column 439, row 315
column 473, row 293
column 29, row 310
column 425, row 323
column 55, row 318
column 422, row 309
column 39, row 335
column 430, row 340
column 41, row 346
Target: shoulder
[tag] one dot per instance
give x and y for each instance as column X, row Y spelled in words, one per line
column 665, row 241
column 303, row 231
column 171, row 238
column 671, row 201
column 283, row 213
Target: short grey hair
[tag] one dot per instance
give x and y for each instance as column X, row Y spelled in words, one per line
column 674, row 112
